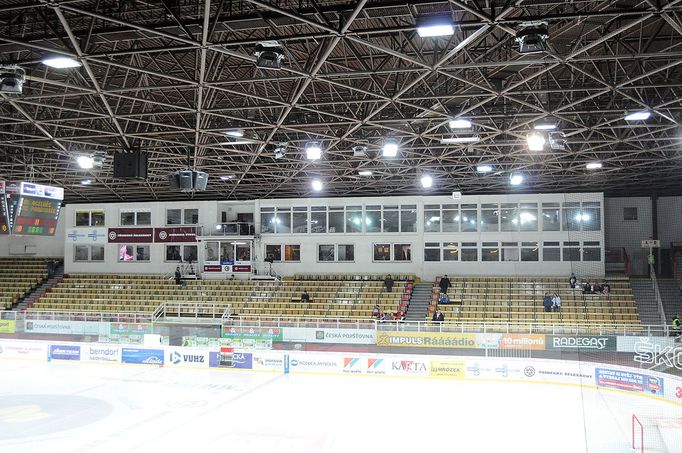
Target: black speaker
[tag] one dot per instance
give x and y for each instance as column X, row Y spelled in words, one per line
column 200, row 180
column 130, row 165
column 186, row 182
column 174, row 181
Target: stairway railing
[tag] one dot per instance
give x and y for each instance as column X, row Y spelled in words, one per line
column 657, row 294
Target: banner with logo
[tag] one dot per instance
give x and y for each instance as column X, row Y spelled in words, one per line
column 175, row 234
column 427, row 339
column 633, row 344
column 66, row 327
column 354, row 365
column 580, row 343
column 376, row 365
column 338, row 336
column 100, row 353
column 324, row 363
column 522, row 341
column 265, row 333
column 131, row 235
column 143, row 356
column 64, row 352
column 187, row 357
column 447, row 368
column 267, row 361
column 7, row 326
column 34, row 350
column 415, row 366
column 87, row 235
column 243, row 360
column 628, row 380
column 123, row 328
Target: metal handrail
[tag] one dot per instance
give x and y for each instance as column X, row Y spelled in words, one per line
column 657, row 294
column 76, row 315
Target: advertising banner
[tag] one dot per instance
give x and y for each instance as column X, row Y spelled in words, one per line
column 10, row 349
column 144, row 356
column 376, row 365
column 87, row 235
column 522, row 341
column 493, row 369
column 354, row 365
column 634, row 344
column 417, row 366
column 64, row 352
column 427, row 339
column 557, row 371
column 187, row 357
column 176, row 234
column 626, row 380
column 66, row 327
column 241, row 268
column 294, row 363
column 344, row 336
column 212, row 268
column 267, row 361
column 131, row 235
column 447, row 368
column 7, row 326
column 123, row 328
column 580, row 343
column 242, row 360
column 266, row 333
column 101, row 353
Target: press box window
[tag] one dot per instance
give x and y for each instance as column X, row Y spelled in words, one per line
column 629, row 213
column 432, row 251
column 89, row 218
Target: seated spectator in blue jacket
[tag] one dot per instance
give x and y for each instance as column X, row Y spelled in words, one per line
column 443, row 299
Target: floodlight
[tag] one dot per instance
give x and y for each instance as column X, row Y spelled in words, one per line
column 433, row 26
column 462, row 139
column 317, row 185
column 365, row 173
column 532, row 38
column 515, row 179
column 459, row 124
column 12, row 79
column 545, row 125
column 427, row 181
column 61, row 62
column 638, row 116
column 536, row 141
column 86, row 182
column 390, row 148
column 484, row 168
column 359, row 151
column 238, row 133
column 85, row 162
column 313, row 150
column 269, row 55
column 593, row 165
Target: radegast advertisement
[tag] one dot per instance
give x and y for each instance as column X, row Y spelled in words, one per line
column 580, row 343
column 427, row 339
column 630, row 381
column 142, row 356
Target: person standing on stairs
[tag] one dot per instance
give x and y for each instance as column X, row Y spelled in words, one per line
column 444, row 284
column 388, row 282
column 676, row 330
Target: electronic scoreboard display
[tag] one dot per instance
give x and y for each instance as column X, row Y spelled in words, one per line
column 33, row 210
column 4, row 211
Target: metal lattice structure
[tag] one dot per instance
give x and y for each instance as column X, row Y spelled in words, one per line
column 168, row 75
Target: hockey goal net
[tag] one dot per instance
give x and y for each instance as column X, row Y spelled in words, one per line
column 656, row 434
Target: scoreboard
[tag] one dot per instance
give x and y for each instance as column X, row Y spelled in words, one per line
column 4, row 211
column 31, row 209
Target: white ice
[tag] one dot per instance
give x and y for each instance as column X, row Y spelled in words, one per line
column 79, row 407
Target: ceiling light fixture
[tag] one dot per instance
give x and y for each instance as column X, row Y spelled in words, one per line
column 427, row 181
column 85, row 162
column 390, row 148
column 61, row 62
column 235, row 133
column 484, row 168
column 536, row 141
column 532, row 37
column 515, row 179
column 365, row 173
column 545, row 125
column 313, row 150
column 593, row 165
column 226, row 177
column 464, row 139
column 459, row 123
column 317, row 185
column 86, row 182
column 433, row 26
column 638, row 116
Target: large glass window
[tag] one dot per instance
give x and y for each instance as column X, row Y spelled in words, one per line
column 528, row 217
column 189, row 253
column 591, row 218
column 127, row 218
column 212, row 251
column 318, row 219
column 432, row 218
column 191, row 216
column 490, row 251
column 469, row 218
column 551, row 251
column 173, row 216
column 510, row 251
column 81, row 253
column 629, row 213
column 300, row 220
column 243, row 252
column 373, row 219
column 571, row 217
column 550, row 217
column 336, row 219
column 591, row 251
column 131, row 253
column 571, row 251
column 90, row 218
column 509, row 217
column 450, row 251
column 346, row 252
column 408, row 218
column 96, row 253
column 292, row 252
column 382, row 252
column 469, row 251
column 432, row 251
column 173, row 253
column 402, row 252
column 353, row 219
column 267, row 220
column 283, row 221
column 273, row 252
column 450, row 218
column 326, row 252
column 391, row 221
column 135, row 217
column 529, row 251
column 489, row 217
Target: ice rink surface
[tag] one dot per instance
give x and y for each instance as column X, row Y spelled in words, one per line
column 76, row 407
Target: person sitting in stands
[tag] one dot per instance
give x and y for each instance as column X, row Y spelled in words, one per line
column 400, row 316
column 606, row 289
column 376, row 313
column 443, row 299
column 388, row 282
column 178, row 276
column 382, row 315
column 444, row 284
column 587, row 288
column 556, row 302
column 547, row 302
column 676, row 330
column 305, row 297
column 438, row 316
column 572, row 280
column 597, row 288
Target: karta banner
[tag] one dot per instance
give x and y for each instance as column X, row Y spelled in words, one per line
column 131, row 235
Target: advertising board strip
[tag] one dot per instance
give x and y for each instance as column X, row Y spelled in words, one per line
column 7, row 326
column 64, row 352
column 427, row 339
column 143, row 356
column 343, row 336
column 630, row 381
column 580, row 343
